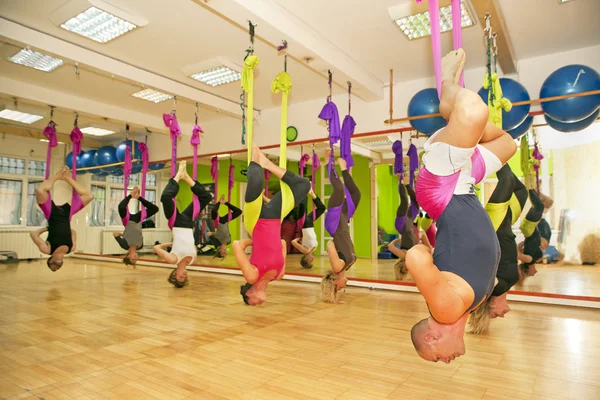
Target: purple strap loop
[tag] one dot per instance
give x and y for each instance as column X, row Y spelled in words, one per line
column 302, row 164
column 413, row 157
column 398, row 164
column 76, row 138
column 145, row 160
column 170, row 121
column 316, row 163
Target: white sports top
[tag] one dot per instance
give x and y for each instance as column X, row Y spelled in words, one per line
column 183, row 244
column 309, row 237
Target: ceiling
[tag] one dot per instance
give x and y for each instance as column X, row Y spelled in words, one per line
column 357, row 40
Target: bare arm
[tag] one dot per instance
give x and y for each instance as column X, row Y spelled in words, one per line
column 337, row 264
column 445, row 303
column 398, row 252
column 165, row 255
column 283, row 247
column 301, row 248
column 248, row 270
column 39, row 242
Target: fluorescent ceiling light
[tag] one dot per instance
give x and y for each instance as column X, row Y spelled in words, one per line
column 563, row 1
column 152, row 95
column 217, row 76
column 419, row 25
column 90, row 130
column 19, row 116
column 39, row 61
column 98, row 25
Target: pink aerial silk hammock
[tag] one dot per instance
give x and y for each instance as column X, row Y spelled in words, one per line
column 145, row 160
column 170, row 121
column 436, row 40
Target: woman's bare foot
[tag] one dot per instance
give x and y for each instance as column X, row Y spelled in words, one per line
column 182, row 171
column 342, row 163
column 452, row 66
column 256, row 153
column 328, row 154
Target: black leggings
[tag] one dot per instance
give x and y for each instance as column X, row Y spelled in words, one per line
column 508, row 272
column 309, row 221
column 537, row 207
column 338, row 197
column 235, row 212
column 272, row 210
column 409, row 237
column 183, row 219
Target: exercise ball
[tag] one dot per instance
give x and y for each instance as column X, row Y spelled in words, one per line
column 106, row 155
column 137, row 154
column 87, row 159
column 521, row 129
column 156, row 166
column 136, row 168
column 117, row 172
column 426, row 102
column 576, row 126
column 513, row 91
column 69, row 160
column 97, row 172
column 569, row 80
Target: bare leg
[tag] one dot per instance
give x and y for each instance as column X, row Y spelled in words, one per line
column 41, row 192
column 498, row 142
column 466, row 113
column 82, row 191
column 266, row 163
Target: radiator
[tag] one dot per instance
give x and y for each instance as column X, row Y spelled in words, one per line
column 18, row 240
column 110, row 245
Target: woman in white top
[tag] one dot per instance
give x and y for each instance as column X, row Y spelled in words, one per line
column 308, row 243
column 183, row 249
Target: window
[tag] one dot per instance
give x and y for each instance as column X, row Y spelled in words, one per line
column 18, row 179
column 110, row 190
column 35, row 216
column 97, row 206
column 10, row 198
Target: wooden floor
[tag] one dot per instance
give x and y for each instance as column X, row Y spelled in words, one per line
column 106, row 331
column 575, row 280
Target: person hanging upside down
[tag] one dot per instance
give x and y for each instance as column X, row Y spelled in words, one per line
column 531, row 250
column 263, row 223
column 221, row 237
column 404, row 225
column 183, row 249
column 61, row 238
column 341, row 207
column 504, row 208
column 131, row 239
column 462, row 272
column 308, row 243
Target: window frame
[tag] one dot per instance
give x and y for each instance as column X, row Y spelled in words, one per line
column 25, row 180
column 109, row 186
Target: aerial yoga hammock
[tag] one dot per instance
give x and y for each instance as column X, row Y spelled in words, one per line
column 131, row 239
column 460, row 274
column 263, row 221
column 61, row 238
column 183, row 249
column 342, row 204
column 221, row 237
column 308, row 243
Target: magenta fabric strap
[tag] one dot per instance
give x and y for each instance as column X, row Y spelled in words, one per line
column 127, row 167
column 76, row 138
column 145, row 160
column 50, row 133
column 230, row 186
column 214, row 173
column 170, row 121
column 195, row 142
column 302, row 163
column 457, row 32
column 316, row 163
column 436, row 45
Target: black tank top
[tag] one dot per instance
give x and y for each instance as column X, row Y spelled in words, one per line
column 466, row 245
column 59, row 227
